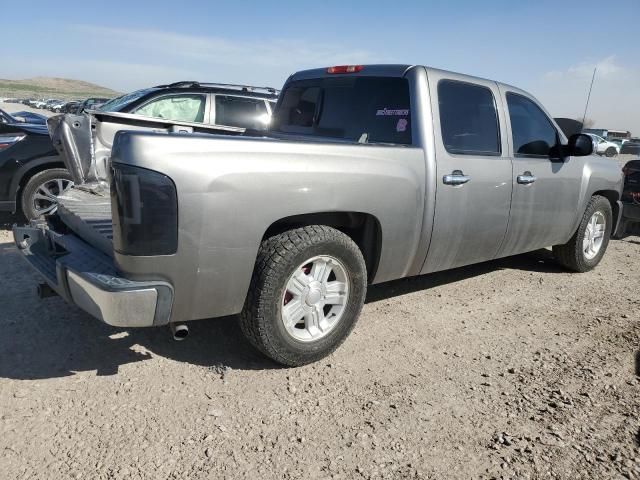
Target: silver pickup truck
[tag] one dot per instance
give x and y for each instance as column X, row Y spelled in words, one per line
column 368, row 174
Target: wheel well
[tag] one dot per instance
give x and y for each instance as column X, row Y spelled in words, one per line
column 26, row 176
column 613, row 198
column 363, row 228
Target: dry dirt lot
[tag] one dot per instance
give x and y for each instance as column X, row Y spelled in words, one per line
column 509, row 369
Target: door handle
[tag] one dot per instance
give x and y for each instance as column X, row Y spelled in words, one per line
column 526, row 178
column 456, row 178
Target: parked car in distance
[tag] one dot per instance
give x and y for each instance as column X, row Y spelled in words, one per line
column 70, row 107
column 631, row 147
column 619, row 142
column 56, row 107
column 239, row 106
column 367, row 174
column 90, row 103
column 32, row 174
column 49, row 104
column 605, row 147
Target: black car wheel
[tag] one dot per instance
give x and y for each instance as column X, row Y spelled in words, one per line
column 40, row 194
column 611, row 152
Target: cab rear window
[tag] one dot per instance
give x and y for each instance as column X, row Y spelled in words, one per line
column 359, row 109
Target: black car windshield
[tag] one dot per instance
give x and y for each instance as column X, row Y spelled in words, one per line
column 118, row 103
column 359, row 109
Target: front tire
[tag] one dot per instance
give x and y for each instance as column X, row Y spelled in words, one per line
column 40, row 194
column 611, row 152
column 587, row 246
column 307, row 291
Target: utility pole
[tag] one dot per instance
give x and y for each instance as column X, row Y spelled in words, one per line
column 584, row 117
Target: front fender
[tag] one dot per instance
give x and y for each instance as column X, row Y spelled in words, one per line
column 600, row 175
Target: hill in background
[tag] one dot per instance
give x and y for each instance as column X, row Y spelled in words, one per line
column 51, row 87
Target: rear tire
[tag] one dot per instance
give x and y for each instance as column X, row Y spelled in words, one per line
column 290, row 258
column 35, row 201
column 584, row 250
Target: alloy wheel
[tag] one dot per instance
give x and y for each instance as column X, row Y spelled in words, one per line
column 594, row 235
column 315, row 298
column 45, row 198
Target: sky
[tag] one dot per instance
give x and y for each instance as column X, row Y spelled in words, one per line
column 548, row 48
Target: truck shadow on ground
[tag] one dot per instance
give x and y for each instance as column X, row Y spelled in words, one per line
column 48, row 338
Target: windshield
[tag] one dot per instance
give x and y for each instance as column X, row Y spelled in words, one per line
column 118, row 103
column 360, row 109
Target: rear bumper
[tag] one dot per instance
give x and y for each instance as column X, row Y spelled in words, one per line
column 85, row 277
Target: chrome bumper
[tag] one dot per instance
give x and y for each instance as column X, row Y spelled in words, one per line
column 85, row 277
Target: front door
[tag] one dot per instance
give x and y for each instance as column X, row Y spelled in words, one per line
column 473, row 188
column 546, row 190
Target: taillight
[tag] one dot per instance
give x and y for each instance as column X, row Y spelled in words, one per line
column 144, row 205
column 345, row 69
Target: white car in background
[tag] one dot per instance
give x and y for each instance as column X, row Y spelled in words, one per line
column 604, row 147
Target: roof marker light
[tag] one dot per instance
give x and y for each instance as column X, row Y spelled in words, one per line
column 345, row 69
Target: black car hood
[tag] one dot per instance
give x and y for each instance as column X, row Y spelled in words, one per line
column 24, row 128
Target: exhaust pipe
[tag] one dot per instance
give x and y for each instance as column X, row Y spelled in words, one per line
column 45, row 291
column 180, row 331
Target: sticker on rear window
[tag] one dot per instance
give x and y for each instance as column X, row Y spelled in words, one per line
column 402, row 125
column 394, row 112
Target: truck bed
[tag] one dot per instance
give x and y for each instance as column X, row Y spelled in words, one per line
column 89, row 216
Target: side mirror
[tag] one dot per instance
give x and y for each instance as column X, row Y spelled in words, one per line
column 580, row 145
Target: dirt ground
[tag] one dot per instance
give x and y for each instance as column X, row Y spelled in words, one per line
column 509, row 369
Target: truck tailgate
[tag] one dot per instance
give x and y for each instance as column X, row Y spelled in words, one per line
column 89, row 216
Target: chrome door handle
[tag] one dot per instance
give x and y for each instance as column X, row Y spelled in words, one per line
column 526, row 178
column 456, row 178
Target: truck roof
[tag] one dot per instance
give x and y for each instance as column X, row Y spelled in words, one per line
column 386, row 70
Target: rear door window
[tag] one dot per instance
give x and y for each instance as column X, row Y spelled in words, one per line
column 243, row 112
column 360, row 109
column 180, row 108
column 468, row 119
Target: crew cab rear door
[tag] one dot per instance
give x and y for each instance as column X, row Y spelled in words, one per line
column 473, row 185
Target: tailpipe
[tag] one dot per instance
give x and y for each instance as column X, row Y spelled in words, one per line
column 179, row 331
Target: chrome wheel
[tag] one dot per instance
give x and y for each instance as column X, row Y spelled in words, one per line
column 594, row 235
column 45, row 198
column 315, row 298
